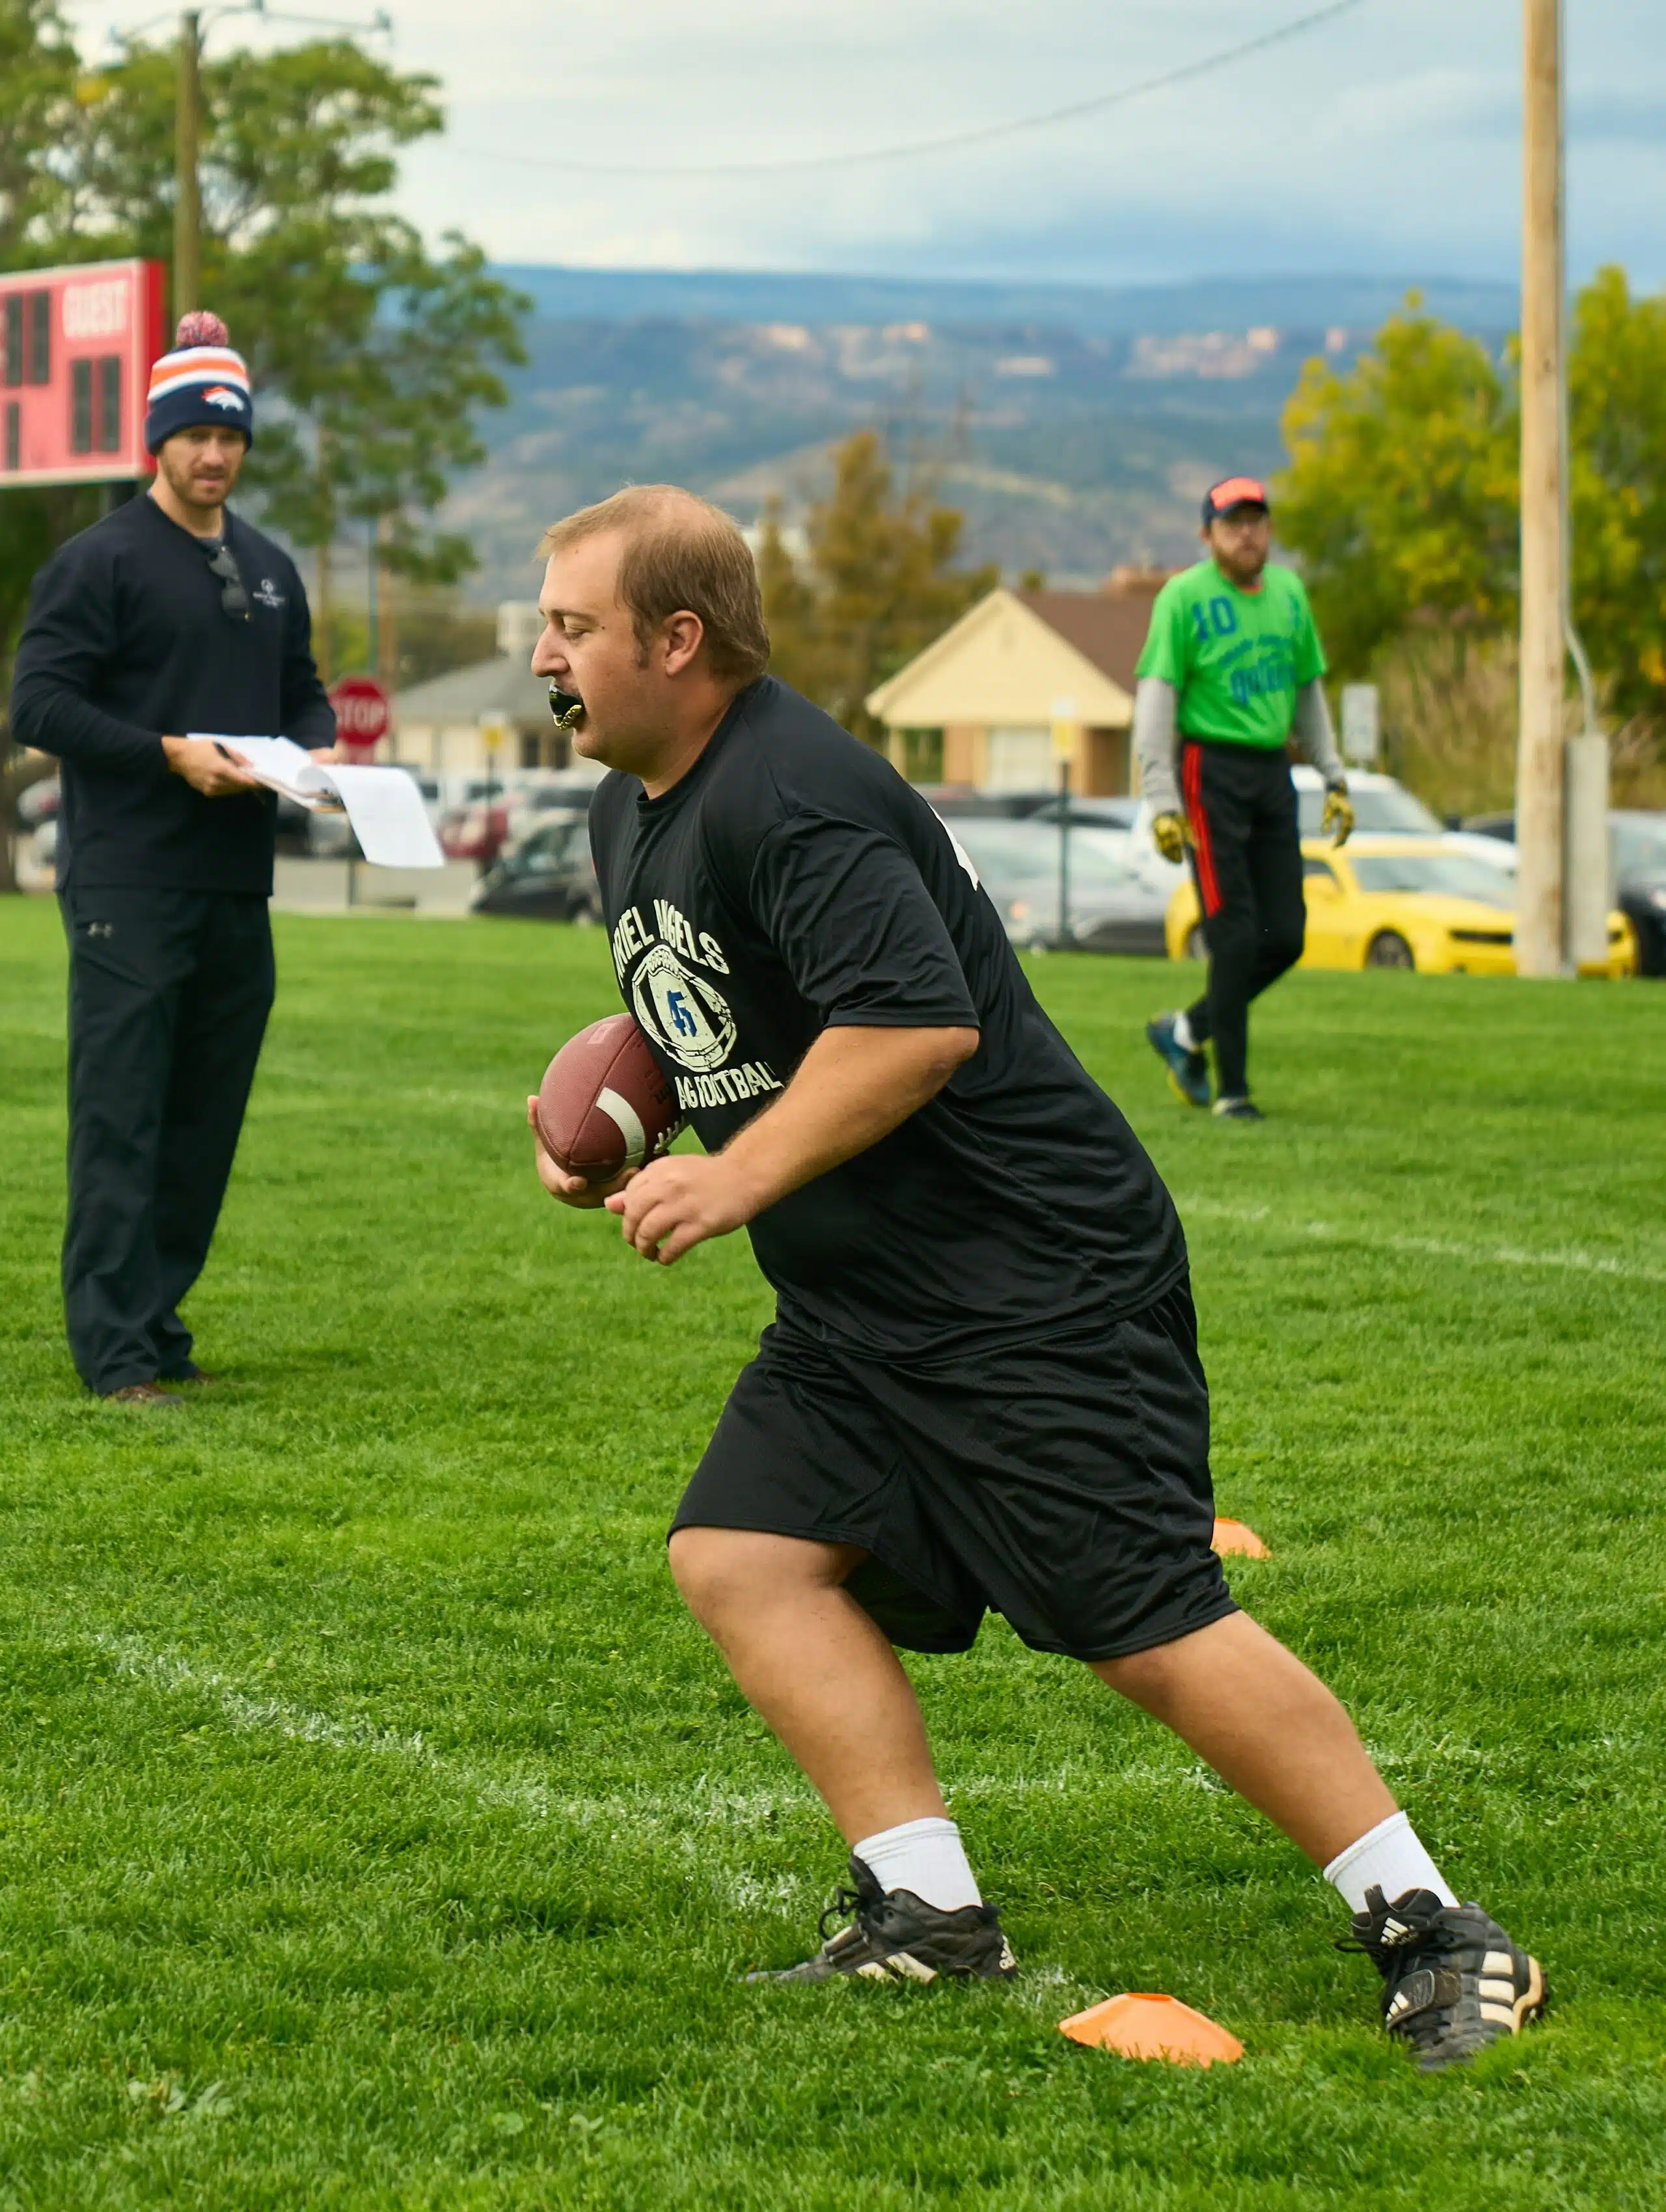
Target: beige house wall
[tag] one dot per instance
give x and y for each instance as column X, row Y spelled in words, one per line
column 964, row 748
column 1000, row 667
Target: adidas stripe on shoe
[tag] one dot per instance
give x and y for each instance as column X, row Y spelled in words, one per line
column 1452, row 1980
column 896, row 1936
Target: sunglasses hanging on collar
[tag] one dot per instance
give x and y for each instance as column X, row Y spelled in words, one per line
column 234, row 593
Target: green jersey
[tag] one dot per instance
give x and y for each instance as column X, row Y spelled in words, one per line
column 1236, row 659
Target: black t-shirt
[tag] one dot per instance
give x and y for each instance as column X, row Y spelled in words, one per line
column 127, row 641
column 792, row 881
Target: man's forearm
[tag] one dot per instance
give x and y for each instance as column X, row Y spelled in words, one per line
column 1154, row 704
column 1315, row 739
column 54, row 718
column 853, row 1086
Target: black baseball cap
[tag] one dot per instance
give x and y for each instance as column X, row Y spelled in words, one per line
column 1233, row 491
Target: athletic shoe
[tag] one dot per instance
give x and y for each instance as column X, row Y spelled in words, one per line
column 1452, row 1980
column 1188, row 1072
column 898, row 1937
column 1239, row 1110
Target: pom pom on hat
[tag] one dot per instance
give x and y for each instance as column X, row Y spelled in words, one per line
column 202, row 380
column 200, row 328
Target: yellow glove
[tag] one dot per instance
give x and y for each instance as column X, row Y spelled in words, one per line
column 1338, row 814
column 1168, row 835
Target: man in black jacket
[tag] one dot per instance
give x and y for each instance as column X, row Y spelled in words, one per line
column 168, row 617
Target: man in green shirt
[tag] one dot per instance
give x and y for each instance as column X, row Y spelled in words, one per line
column 1229, row 675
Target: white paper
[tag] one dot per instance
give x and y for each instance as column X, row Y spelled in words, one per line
column 385, row 809
column 281, row 765
column 383, row 803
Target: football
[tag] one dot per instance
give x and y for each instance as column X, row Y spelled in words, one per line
column 603, row 1106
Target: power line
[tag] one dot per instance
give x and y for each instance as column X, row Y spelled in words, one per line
column 920, row 149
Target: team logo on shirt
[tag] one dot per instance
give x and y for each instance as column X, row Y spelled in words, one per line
column 682, row 1010
column 268, row 595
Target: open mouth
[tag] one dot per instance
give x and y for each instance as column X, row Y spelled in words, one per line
column 567, row 706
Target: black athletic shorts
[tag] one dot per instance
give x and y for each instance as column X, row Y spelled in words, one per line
column 1064, row 1485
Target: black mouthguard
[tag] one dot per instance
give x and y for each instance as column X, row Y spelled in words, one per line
column 564, row 706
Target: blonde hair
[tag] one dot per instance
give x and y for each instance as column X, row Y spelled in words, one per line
column 680, row 553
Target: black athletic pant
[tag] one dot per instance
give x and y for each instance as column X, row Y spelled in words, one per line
column 169, row 992
column 1246, row 858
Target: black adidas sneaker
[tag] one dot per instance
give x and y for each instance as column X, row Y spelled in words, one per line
column 898, row 1937
column 1452, row 1980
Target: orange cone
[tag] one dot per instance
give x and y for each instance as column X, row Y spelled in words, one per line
column 1232, row 1536
column 1141, row 2024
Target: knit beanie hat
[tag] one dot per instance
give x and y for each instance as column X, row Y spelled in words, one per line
column 202, row 380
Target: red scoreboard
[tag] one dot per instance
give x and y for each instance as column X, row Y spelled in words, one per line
column 75, row 349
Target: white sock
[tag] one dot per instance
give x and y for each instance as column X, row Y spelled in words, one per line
column 1390, row 1857
column 1183, row 1036
column 926, row 1856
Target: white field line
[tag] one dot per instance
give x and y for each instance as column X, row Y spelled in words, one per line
column 702, row 1806
column 1565, row 1259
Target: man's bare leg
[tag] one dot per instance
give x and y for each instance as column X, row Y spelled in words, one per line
column 815, row 1665
column 1266, row 1725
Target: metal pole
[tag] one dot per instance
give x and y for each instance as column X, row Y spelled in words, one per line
column 187, row 190
column 1539, row 744
column 372, row 623
column 1064, row 853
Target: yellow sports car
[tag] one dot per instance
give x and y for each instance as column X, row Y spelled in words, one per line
column 1400, row 903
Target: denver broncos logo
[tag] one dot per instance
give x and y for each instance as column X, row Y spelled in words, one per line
column 220, row 395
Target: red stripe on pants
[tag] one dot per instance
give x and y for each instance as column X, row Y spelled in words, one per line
column 1192, row 779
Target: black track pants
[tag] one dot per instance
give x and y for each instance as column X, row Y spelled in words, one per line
column 169, row 992
column 1246, row 858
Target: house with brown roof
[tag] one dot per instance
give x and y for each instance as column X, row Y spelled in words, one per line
column 1024, row 680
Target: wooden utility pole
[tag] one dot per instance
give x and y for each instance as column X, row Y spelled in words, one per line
column 385, row 646
column 1539, row 757
column 187, row 190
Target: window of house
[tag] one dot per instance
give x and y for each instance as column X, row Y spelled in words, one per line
column 922, row 752
column 1021, row 760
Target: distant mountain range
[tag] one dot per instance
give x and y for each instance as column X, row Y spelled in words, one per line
column 1205, row 303
column 1076, row 427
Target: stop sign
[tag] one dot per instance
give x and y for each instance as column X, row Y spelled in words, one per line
column 364, row 713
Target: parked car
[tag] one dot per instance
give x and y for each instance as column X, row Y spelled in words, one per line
column 1118, row 898
column 1399, row 903
column 955, row 801
column 478, row 832
column 546, row 876
column 530, row 803
column 1636, row 873
column 1091, row 813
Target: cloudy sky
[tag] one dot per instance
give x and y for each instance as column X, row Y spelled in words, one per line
column 1383, row 141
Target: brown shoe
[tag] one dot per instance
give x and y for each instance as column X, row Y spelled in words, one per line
column 190, row 1373
column 149, row 1395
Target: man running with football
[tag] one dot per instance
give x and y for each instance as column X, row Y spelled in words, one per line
column 1230, row 674
column 981, row 1390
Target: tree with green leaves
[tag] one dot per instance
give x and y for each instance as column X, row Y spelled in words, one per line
column 878, row 583
column 370, row 353
column 1403, row 493
column 1617, row 401
column 1400, row 492
column 378, row 352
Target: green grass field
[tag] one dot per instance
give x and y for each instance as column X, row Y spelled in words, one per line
column 378, row 1832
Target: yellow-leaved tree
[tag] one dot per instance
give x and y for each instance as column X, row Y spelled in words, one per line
column 1402, row 499
column 877, row 583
